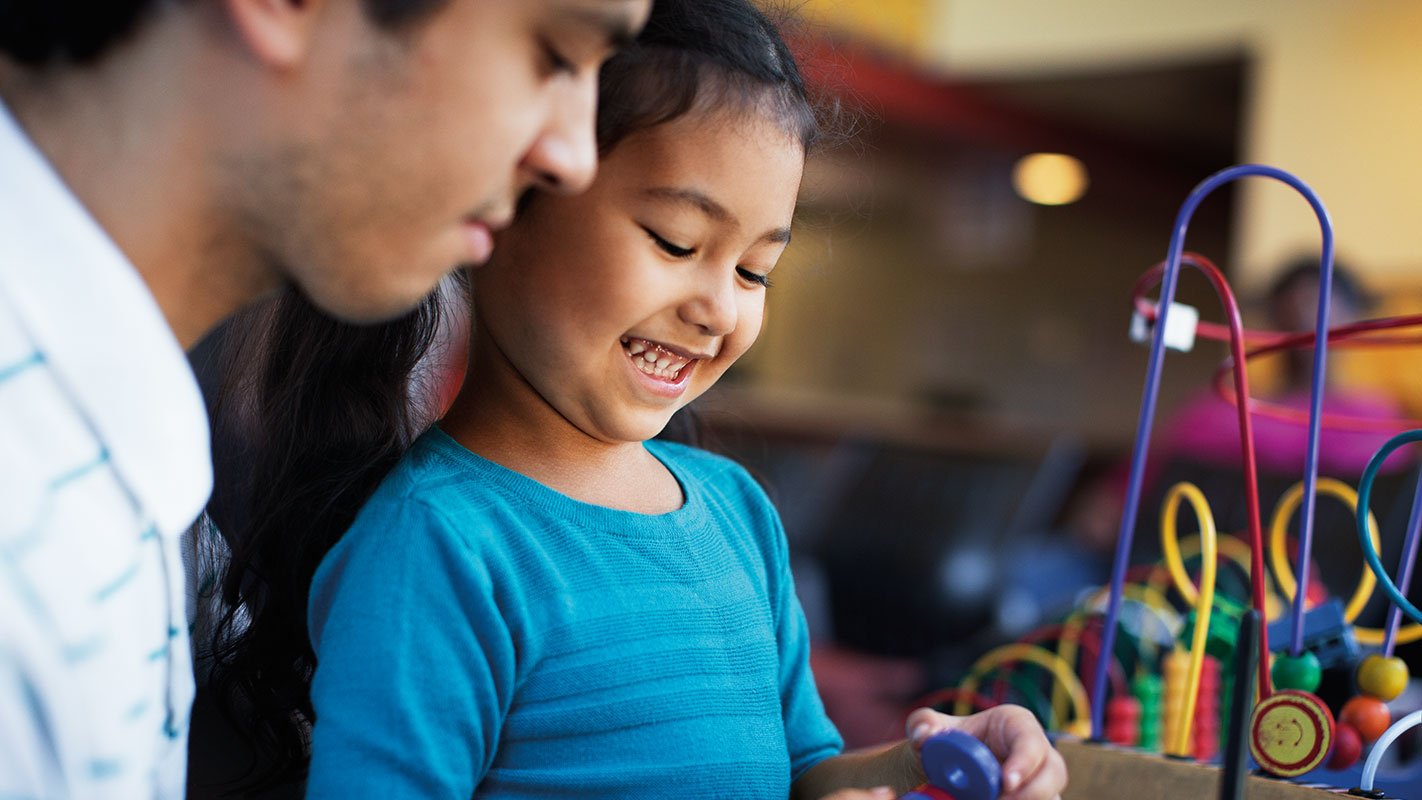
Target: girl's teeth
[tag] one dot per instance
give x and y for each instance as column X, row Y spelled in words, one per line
column 653, row 361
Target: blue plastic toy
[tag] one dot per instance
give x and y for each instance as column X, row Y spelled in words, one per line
column 959, row 767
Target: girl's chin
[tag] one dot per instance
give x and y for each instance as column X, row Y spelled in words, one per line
column 647, row 426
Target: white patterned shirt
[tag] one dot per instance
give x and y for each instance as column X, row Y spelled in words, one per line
column 104, row 462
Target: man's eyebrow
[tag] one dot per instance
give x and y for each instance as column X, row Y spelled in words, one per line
column 618, row 28
column 702, row 202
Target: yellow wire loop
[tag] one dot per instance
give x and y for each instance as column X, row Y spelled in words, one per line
column 1279, row 559
column 1067, row 647
column 1232, row 547
column 1203, row 597
column 1043, row 658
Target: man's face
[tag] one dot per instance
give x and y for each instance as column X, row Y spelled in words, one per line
column 407, row 147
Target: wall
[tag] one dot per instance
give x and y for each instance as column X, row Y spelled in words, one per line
column 1336, row 98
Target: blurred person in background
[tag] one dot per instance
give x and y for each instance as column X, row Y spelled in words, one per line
column 163, row 165
column 1202, row 436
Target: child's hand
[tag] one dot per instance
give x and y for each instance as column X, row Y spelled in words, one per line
column 881, row 793
column 1031, row 768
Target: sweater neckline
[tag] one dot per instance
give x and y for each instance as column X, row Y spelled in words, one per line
column 539, row 495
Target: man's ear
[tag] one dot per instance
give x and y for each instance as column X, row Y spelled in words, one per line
column 277, row 32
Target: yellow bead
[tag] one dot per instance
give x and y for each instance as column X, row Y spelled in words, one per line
column 1383, row 677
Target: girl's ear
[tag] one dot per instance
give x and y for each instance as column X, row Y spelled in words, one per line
column 277, row 32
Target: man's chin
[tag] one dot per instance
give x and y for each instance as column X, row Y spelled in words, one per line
column 362, row 308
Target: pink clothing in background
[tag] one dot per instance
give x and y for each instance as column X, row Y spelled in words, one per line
column 1206, row 430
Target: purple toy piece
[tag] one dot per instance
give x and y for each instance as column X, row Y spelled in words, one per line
column 961, row 766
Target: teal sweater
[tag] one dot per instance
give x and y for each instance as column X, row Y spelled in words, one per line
column 479, row 634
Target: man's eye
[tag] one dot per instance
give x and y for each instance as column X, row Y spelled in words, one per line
column 556, row 61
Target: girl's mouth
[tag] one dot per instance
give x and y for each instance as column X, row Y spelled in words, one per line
column 656, row 361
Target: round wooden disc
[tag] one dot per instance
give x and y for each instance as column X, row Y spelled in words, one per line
column 1290, row 733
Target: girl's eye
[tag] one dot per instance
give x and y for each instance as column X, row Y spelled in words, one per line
column 667, row 247
column 754, row 277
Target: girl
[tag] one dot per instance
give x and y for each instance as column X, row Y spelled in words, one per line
column 539, row 601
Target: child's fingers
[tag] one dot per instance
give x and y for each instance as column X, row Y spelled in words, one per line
column 1031, row 768
column 924, row 722
column 1046, row 784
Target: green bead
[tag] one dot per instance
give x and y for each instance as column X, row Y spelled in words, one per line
column 1147, row 688
column 1301, row 672
column 1383, row 677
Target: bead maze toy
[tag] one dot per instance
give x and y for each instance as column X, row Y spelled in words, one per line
column 1151, row 677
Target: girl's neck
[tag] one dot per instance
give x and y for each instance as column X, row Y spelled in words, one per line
column 499, row 416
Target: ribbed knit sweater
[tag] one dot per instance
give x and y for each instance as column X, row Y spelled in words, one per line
column 479, row 634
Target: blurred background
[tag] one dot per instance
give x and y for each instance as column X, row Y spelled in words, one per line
column 945, row 383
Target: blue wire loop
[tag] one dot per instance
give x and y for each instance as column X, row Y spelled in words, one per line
column 1365, row 493
column 1409, row 558
column 1152, row 389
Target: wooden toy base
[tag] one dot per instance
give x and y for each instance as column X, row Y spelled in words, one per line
column 1100, row 771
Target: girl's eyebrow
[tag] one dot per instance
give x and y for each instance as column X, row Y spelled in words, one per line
column 706, row 205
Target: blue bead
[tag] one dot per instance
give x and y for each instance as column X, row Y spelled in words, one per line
column 960, row 764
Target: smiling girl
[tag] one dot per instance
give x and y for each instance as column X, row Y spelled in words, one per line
column 541, row 601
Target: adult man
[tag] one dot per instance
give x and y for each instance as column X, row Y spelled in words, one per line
column 163, row 164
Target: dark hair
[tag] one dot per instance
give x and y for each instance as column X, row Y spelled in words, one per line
column 1305, row 270
column 317, row 412
column 717, row 54
column 43, row 32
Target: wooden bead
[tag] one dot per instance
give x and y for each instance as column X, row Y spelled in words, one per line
column 1383, row 677
column 1347, row 747
column 1301, row 672
column 1367, row 715
column 1290, row 733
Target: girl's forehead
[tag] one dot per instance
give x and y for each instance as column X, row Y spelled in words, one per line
column 716, row 146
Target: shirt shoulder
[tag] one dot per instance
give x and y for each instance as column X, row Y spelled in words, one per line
column 729, row 493
column 432, row 494
column 710, row 471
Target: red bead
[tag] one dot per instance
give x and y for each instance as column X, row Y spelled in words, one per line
column 1347, row 747
column 927, row 792
column 1123, row 715
column 1367, row 715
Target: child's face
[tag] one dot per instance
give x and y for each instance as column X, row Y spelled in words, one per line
column 663, row 256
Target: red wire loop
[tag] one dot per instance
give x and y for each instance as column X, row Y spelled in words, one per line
column 1236, row 338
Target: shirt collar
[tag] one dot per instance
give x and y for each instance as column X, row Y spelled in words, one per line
column 101, row 332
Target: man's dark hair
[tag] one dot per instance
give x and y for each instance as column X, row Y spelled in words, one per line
column 45, row 32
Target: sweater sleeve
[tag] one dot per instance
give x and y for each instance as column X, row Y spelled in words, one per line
column 415, row 665
column 810, row 736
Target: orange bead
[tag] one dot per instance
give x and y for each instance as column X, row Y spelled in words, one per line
column 1367, row 715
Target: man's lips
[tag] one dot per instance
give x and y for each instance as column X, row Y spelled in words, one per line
column 480, row 240
column 479, row 235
